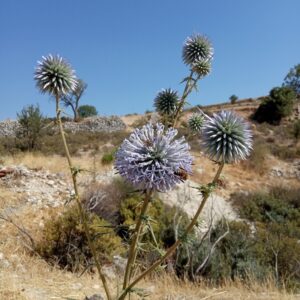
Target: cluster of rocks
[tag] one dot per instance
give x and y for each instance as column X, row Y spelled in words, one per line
column 9, row 128
column 188, row 198
column 96, row 124
column 38, row 187
column 289, row 171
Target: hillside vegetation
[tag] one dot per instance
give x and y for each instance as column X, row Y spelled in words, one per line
column 248, row 187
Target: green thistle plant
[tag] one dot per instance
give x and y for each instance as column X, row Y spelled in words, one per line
column 196, row 122
column 55, row 76
column 196, row 48
column 166, row 102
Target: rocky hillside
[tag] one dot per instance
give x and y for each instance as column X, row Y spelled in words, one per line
column 9, row 128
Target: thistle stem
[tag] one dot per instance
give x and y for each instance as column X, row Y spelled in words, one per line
column 187, row 90
column 136, row 235
column 81, row 211
column 178, row 242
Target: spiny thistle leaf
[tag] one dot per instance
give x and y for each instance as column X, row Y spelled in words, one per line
column 166, row 102
column 196, row 48
column 227, row 137
column 55, row 76
column 151, row 158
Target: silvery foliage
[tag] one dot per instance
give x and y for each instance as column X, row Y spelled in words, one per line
column 197, row 53
column 151, row 158
column 196, row 122
column 166, row 102
column 226, row 137
column 55, row 76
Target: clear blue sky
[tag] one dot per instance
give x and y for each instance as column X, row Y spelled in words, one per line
column 127, row 50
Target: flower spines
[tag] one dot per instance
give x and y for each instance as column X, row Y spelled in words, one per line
column 166, row 102
column 201, row 67
column 55, row 76
column 227, row 138
column 196, row 48
column 196, row 122
column 151, row 158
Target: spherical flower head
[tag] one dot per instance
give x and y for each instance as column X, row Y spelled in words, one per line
column 201, row 67
column 166, row 102
column 196, row 122
column 55, row 76
column 152, row 159
column 196, row 48
column 227, row 137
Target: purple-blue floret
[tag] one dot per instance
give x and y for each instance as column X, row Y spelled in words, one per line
column 151, row 158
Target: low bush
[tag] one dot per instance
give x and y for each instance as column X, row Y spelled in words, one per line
column 265, row 245
column 277, row 105
column 280, row 205
column 118, row 204
column 108, row 157
column 64, row 242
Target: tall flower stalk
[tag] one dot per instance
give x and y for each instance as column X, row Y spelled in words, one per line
column 151, row 159
column 55, row 76
column 231, row 141
column 205, row 191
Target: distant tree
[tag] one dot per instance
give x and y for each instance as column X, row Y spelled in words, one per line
column 85, row 111
column 277, row 105
column 31, row 123
column 292, row 79
column 72, row 99
column 233, row 99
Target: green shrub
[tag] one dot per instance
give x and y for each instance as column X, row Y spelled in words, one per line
column 109, row 157
column 279, row 104
column 244, row 253
column 280, row 205
column 164, row 225
column 292, row 79
column 263, row 247
column 85, row 111
column 118, row 204
column 64, row 242
column 31, row 123
column 233, row 99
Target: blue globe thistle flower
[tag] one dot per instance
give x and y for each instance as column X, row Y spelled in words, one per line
column 196, row 122
column 166, row 102
column 196, row 48
column 55, row 76
column 227, row 137
column 151, row 158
